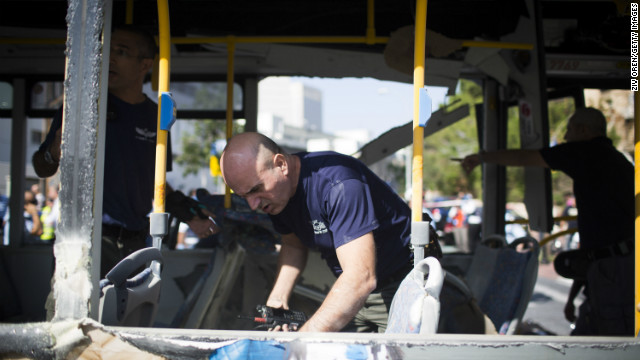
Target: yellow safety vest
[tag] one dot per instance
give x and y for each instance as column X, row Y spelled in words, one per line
column 48, row 231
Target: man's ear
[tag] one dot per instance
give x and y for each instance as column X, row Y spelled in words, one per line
column 147, row 65
column 280, row 161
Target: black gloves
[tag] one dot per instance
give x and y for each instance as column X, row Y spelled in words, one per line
column 183, row 207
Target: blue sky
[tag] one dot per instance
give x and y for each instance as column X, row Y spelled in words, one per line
column 354, row 103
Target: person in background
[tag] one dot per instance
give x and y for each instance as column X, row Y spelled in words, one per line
column 50, row 215
column 40, row 198
column 4, row 206
column 130, row 152
column 32, row 224
column 570, row 209
column 186, row 239
column 603, row 185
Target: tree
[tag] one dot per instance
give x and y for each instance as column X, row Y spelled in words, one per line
column 196, row 145
column 455, row 141
column 461, row 139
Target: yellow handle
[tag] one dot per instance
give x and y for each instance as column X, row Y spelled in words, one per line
column 164, row 43
column 418, row 131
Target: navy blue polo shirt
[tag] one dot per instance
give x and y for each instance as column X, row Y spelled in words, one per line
column 339, row 199
column 603, row 184
column 129, row 164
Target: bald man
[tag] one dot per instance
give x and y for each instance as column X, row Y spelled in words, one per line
column 334, row 204
column 604, row 191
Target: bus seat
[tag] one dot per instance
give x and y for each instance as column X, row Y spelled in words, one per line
column 502, row 278
column 132, row 301
column 415, row 308
column 458, row 263
column 459, row 310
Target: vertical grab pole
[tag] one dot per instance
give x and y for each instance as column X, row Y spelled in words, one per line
column 636, row 105
column 129, row 12
column 419, row 228
column 231, row 49
column 371, row 29
column 163, row 86
column 159, row 219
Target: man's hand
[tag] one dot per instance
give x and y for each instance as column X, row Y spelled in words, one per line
column 284, row 328
column 44, row 168
column 570, row 312
column 203, row 227
column 277, row 303
column 470, row 162
column 569, row 308
column 291, row 262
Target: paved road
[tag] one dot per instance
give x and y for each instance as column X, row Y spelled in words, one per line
column 547, row 302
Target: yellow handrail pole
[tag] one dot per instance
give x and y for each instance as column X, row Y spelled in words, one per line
column 129, row 12
column 497, row 45
column 284, row 40
column 163, row 86
column 547, row 239
column 32, row 41
column 371, row 28
column 280, row 39
column 418, row 131
column 636, row 105
column 231, row 49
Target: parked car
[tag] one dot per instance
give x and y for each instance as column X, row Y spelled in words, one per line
column 442, row 214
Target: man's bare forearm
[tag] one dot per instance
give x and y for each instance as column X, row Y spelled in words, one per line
column 351, row 289
column 291, row 262
column 575, row 289
column 515, row 157
column 345, row 299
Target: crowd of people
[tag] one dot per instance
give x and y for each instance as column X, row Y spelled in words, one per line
column 40, row 215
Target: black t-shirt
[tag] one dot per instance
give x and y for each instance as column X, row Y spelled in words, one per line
column 339, row 199
column 129, row 163
column 603, row 185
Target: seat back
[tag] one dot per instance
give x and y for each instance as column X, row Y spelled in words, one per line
column 416, row 305
column 459, row 310
column 131, row 301
column 502, row 280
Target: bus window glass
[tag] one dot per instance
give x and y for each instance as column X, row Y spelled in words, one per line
column 47, row 95
column 6, row 95
column 192, row 95
column 559, row 112
column 35, row 130
column 196, row 146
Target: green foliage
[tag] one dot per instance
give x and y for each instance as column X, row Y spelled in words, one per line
column 196, row 145
column 461, row 139
column 559, row 112
column 456, row 141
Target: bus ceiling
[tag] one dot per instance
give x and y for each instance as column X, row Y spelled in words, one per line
column 321, row 39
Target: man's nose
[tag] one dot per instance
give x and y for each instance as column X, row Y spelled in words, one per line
column 112, row 56
column 253, row 201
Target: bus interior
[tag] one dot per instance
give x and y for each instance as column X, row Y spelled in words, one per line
column 523, row 54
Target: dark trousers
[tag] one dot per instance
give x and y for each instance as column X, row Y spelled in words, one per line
column 374, row 314
column 118, row 243
column 609, row 307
